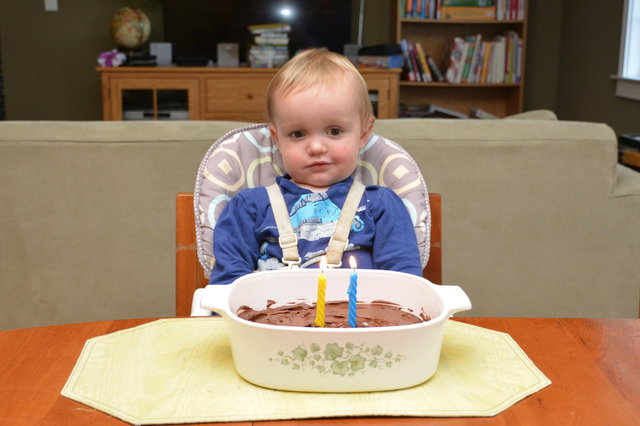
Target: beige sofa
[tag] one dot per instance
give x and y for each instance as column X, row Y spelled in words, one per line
column 538, row 220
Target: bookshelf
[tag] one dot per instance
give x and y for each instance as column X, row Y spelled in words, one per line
column 435, row 37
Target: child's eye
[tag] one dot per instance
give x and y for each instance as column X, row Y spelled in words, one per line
column 297, row 134
column 335, row 131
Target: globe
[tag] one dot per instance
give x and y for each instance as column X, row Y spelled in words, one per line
column 130, row 28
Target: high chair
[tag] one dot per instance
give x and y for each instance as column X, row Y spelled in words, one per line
column 247, row 157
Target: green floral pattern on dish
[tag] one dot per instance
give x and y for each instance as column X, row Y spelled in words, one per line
column 335, row 359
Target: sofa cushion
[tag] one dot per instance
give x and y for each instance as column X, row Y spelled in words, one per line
column 536, row 114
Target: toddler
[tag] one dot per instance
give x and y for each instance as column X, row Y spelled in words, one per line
column 320, row 118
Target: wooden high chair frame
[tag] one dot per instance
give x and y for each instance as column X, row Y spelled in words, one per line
column 190, row 275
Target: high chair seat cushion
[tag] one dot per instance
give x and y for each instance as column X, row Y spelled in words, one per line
column 248, row 157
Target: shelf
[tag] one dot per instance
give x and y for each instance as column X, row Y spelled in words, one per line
column 435, row 38
column 457, row 85
column 457, row 22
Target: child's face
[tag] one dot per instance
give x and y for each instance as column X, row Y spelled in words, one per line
column 319, row 133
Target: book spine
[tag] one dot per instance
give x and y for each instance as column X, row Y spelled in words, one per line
column 455, row 53
column 477, row 52
column 414, row 61
column 426, row 74
column 434, row 69
column 463, row 57
column 471, row 45
column 407, row 59
column 520, row 51
column 486, row 61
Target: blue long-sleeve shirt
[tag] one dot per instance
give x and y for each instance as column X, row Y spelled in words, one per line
column 246, row 235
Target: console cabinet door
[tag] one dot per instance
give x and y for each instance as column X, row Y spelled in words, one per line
column 144, row 98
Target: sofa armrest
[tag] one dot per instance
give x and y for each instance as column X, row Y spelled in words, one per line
column 627, row 182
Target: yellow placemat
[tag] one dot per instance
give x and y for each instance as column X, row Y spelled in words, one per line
column 181, row 371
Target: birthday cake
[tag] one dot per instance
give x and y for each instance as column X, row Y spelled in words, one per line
column 371, row 314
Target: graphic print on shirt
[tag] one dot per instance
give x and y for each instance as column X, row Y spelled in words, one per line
column 314, row 216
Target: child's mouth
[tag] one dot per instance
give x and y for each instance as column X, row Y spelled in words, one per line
column 319, row 165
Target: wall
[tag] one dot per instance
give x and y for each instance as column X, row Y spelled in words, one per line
column 542, row 54
column 49, row 58
column 50, row 73
column 590, row 53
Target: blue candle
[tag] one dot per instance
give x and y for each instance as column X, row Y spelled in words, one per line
column 353, row 293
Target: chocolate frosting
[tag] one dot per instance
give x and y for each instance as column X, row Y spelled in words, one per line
column 378, row 313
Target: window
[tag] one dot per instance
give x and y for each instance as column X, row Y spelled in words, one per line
column 628, row 85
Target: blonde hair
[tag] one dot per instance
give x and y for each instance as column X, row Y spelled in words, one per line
column 312, row 68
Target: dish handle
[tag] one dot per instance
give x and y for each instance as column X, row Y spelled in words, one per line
column 455, row 299
column 215, row 297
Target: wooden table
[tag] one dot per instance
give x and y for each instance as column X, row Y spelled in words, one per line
column 594, row 366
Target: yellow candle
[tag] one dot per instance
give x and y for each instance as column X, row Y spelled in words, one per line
column 322, row 288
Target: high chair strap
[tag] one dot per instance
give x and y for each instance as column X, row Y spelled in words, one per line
column 288, row 239
column 337, row 244
column 340, row 239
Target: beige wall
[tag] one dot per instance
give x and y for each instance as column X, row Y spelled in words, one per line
column 49, row 58
column 590, row 51
column 543, row 54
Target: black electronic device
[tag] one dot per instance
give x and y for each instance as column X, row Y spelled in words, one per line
column 196, row 27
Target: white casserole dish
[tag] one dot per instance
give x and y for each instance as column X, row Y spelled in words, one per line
column 335, row 359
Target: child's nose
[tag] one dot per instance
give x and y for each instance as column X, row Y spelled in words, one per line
column 317, row 146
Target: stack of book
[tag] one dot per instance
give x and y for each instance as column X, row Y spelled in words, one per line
column 419, row 67
column 141, row 59
column 463, row 10
column 270, row 48
column 379, row 56
column 474, row 60
column 373, row 61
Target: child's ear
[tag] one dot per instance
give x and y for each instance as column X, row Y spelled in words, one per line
column 367, row 128
column 274, row 133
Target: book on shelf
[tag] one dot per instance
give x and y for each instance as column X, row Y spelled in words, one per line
column 463, row 60
column 475, row 60
column 456, row 51
column 435, row 71
column 269, row 28
column 408, row 67
column 472, row 58
column 468, row 13
column 477, row 3
column 419, row 66
column 426, row 72
column 379, row 61
column 272, row 39
column 413, row 56
column 481, row 114
column 510, row 10
column 420, row 9
column 429, row 111
column 476, row 10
